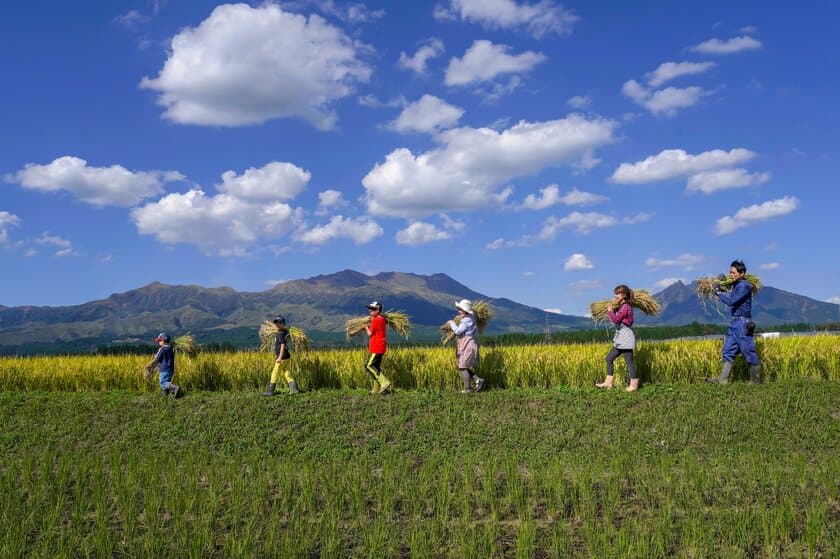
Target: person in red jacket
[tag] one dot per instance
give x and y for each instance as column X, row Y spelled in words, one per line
column 377, row 347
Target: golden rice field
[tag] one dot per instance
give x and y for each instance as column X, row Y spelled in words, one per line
column 540, row 366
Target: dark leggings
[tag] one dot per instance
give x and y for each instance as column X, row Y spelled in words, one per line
column 628, row 358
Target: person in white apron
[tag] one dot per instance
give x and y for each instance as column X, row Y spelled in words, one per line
column 466, row 346
column 624, row 341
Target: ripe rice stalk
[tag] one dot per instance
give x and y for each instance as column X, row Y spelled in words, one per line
column 185, row 344
column 398, row 321
column 642, row 300
column 268, row 333
column 483, row 313
column 706, row 289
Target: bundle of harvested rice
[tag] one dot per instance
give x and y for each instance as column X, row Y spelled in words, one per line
column 706, row 285
column 398, row 321
column 268, row 333
column 185, row 344
column 483, row 313
column 642, row 300
column 706, row 289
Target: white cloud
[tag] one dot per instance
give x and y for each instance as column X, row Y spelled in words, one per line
column 349, row 13
column 540, row 19
column 484, row 61
column 99, row 186
column 585, row 223
column 835, row 300
column 749, row 29
column 419, row 232
column 373, row 102
column 577, row 262
column 245, row 65
column 555, row 310
column 452, row 224
column 579, row 101
column 132, row 19
column 671, row 163
column 666, row 101
column 736, row 44
column 331, row 199
column 417, row 62
column 495, row 91
column 769, row 266
column 273, row 282
column 272, row 182
column 529, row 274
column 708, row 182
column 429, row 114
column 663, row 283
column 220, row 224
column 756, row 214
column 7, row 219
column 359, row 230
column 471, row 167
column 550, row 196
column 671, row 70
column 686, row 261
column 65, row 247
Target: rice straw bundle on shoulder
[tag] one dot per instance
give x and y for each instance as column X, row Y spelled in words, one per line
column 706, row 285
column 483, row 313
column 185, row 344
column 398, row 321
column 642, row 300
column 268, row 333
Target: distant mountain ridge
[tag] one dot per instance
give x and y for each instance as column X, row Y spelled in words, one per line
column 321, row 305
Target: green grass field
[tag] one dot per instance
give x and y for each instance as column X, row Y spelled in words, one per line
column 682, row 470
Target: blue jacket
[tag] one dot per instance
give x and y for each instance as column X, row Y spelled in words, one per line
column 166, row 359
column 740, row 299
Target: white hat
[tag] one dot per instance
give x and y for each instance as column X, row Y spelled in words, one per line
column 375, row 305
column 464, row 305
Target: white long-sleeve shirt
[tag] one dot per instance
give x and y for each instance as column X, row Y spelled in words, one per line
column 465, row 327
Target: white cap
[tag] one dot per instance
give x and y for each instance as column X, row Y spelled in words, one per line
column 464, row 305
column 374, row 305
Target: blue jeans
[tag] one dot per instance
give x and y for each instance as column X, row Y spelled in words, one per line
column 165, row 378
column 737, row 341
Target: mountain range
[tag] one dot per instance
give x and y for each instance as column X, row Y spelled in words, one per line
column 321, row 305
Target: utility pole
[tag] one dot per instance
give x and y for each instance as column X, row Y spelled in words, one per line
column 547, row 331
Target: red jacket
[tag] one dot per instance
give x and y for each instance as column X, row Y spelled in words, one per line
column 377, row 342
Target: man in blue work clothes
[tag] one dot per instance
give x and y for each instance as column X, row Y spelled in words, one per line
column 739, row 336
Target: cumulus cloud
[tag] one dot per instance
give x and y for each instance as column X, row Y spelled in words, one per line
column 359, row 230
column 7, row 219
column 274, row 181
column 285, row 66
column 63, row 246
column 419, row 232
column 484, row 61
column 686, row 261
column 666, row 282
column 671, row 70
column 577, row 262
column 769, row 266
column 354, row 13
column 471, row 167
column 539, row 19
column 550, row 196
column 222, row 224
column 331, row 199
column 579, row 102
column 374, row 102
column 666, row 101
column 671, row 163
column 736, row 44
column 585, row 223
column 98, row 186
column 432, row 48
column 708, row 182
column 429, row 114
column 756, row 214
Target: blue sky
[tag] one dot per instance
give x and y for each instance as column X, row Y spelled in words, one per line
column 539, row 151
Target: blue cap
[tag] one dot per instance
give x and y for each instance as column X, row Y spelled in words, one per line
column 279, row 320
column 163, row 337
